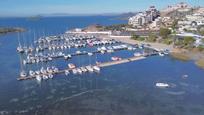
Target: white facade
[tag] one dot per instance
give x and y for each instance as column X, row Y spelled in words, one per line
column 144, row 17
column 137, row 20
column 181, row 5
column 191, row 22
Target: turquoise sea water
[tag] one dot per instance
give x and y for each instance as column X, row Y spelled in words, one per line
column 126, row 89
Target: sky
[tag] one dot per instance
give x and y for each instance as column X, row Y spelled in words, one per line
column 35, row 7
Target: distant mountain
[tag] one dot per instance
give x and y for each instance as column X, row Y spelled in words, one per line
column 119, row 15
column 125, row 16
column 34, row 18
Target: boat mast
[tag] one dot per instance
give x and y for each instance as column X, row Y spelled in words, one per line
column 20, row 55
column 19, row 44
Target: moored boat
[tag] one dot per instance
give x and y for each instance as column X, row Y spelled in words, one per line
column 96, row 68
column 71, row 66
column 162, row 85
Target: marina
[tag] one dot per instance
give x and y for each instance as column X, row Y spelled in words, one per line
column 67, row 46
column 90, row 68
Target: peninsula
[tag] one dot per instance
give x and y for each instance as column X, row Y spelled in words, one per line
column 5, row 30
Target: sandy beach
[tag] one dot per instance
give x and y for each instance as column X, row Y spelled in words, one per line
column 127, row 39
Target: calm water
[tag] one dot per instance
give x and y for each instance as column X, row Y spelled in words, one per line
column 125, row 89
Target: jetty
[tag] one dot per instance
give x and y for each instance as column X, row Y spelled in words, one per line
column 111, row 63
column 102, row 65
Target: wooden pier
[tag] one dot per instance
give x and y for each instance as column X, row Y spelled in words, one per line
column 105, row 64
column 120, row 61
column 83, row 53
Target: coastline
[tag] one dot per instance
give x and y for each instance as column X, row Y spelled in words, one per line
column 6, row 30
column 180, row 54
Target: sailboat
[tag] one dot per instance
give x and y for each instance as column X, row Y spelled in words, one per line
column 22, row 73
column 66, row 72
column 96, row 68
column 38, row 78
column 19, row 48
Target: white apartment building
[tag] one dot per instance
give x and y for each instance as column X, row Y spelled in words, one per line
column 143, row 18
column 191, row 22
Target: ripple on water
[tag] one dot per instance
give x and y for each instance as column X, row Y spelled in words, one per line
column 73, row 86
column 33, row 93
column 73, row 92
column 175, row 92
column 53, row 91
column 62, row 92
column 25, row 101
column 4, row 112
column 14, row 100
column 35, row 99
column 25, row 96
column 184, row 84
column 49, row 97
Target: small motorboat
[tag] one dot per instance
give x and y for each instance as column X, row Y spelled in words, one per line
column 71, row 66
column 96, row 68
column 66, row 72
column 115, row 58
column 38, row 78
column 137, row 54
column 161, row 54
column 23, row 74
column 90, row 69
column 162, row 85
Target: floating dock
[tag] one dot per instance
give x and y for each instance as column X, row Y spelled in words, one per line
column 120, row 61
column 105, row 64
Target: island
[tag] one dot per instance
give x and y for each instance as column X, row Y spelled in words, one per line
column 5, row 30
column 34, row 18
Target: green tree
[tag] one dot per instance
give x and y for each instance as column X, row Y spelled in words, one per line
column 141, row 39
column 134, row 36
column 152, row 37
column 201, row 30
column 137, row 37
column 174, row 24
column 164, row 32
column 188, row 41
column 168, row 41
column 200, row 48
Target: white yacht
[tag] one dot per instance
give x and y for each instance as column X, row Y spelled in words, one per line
column 31, row 73
column 71, row 66
column 96, row 68
column 50, row 76
column 20, row 49
column 83, row 69
column 45, row 77
column 74, row 71
column 90, row 69
column 23, row 74
column 162, row 85
column 79, row 71
column 137, row 54
column 38, row 78
column 90, row 54
column 161, row 54
column 66, row 72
